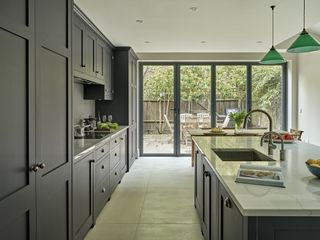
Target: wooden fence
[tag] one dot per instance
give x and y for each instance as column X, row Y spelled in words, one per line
column 153, row 111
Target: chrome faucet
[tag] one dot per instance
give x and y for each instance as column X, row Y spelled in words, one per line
column 261, row 111
column 272, row 146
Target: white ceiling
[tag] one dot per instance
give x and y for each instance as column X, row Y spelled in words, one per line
column 225, row 25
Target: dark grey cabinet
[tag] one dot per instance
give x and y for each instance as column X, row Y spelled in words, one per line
column 17, row 129
column 35, row 173
column 231, row 220
column 53, row 108
column 83, row 189
column 210, row 208
column 123, row 107
column 106, row 91
column 91, row 55
column 78, row 45
column 123, row 154
column 198, row 175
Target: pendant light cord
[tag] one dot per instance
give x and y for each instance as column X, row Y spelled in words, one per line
column 304, row 14
column 272, row 7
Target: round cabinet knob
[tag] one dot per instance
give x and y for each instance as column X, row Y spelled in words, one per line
column 115, row 141
column 41, row 165
column 102, row 150
column 102, row 167
column 34, row 168
column 227, row 202
column 115, row 173
column 103, row 189
column 115, row 154
column 122, row 138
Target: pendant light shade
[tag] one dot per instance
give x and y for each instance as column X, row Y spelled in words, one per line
column 305, row 42
column 272, row 57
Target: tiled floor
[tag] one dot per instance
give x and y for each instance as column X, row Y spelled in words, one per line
column 153, row 202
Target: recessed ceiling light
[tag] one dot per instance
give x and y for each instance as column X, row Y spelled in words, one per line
column 139, row 21
column 147, row 42
column 193, row 9
column 203, row 41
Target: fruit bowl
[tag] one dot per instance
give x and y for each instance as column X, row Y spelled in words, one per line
column 314, row 167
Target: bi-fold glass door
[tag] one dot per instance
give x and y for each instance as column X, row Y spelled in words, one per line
column 174, row 99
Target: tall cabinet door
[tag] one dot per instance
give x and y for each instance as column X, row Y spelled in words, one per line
column 90, row 52
column 17, row 138
column 78, row 44
column 53, row 117
column 100, row 59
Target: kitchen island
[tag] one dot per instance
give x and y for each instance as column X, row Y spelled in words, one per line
column 231, row 210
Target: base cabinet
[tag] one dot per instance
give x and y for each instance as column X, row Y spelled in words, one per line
column 83, row 171
column 95, row 177
column 222, row 220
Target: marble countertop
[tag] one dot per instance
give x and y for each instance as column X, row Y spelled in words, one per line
column 83, row 146
column 300, row 197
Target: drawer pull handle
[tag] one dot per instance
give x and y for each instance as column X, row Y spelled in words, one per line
column 115, row 141
column 102, row 150
column 102, row 167
column 97, row 71
column 103, row 189
column 122, row 138
column 82, row 65
column 227, row 202
column 115, row 154
column 115, row 173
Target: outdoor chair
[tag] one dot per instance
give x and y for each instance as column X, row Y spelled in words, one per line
column 203, row 120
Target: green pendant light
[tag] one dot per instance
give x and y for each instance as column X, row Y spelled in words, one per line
column 305, row 42
column 272, row 57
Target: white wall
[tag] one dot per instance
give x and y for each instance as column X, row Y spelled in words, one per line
column 309, row 96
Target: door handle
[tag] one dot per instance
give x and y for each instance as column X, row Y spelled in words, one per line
column 227, row 202
column 38, row 166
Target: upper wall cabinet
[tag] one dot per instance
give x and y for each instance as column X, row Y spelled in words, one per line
column 89, row 52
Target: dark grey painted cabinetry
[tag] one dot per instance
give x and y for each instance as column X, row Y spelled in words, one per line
column 95, row 176
column 123, row 107
column 35, row 174
column 83, row 173
column 222, row 220
column 89, row 51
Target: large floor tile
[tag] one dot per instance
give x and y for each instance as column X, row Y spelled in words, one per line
column 168, row 232
column 124, row 207
column 112, row 232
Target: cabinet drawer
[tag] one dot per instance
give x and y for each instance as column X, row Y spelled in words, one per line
column 114, row 177
column 102, row 169
column 114, row 157
column 101, row 196
column 102, row 150
column 114, row 142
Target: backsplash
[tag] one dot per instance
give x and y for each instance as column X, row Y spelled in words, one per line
column 81, row 108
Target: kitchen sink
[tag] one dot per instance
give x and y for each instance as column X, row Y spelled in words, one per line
column 240, row 154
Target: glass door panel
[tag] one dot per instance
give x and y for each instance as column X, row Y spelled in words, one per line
column 158, row 105
column 195, row 101
column 266, row 94
column 230, row 92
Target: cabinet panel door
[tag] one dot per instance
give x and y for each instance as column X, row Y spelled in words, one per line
column 100, row 59
column 231, row 220
column 108, row 86
column 198, row 183
column 17, row 128
column 210, row 202
column 90, row 52
column 83, row 189
column 123, row 152
column 53, row 23
column 78, row 47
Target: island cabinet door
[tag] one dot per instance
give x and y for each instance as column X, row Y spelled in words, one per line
column 198, row 183
column 230, row 219
column 210, row 203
